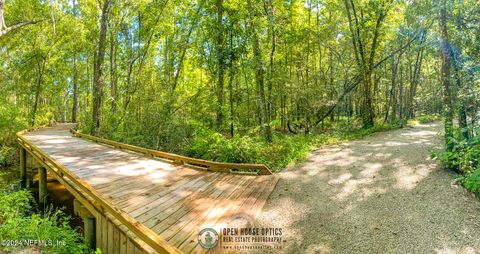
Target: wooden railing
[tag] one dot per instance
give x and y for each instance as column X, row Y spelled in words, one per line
column 240, row 168
column 100, row 203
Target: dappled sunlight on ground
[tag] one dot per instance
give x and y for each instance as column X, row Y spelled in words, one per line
column 352, row 186
column 450, row 250
column 318, row 248
column 408, row 177
column 341, row 179
column 381, row 194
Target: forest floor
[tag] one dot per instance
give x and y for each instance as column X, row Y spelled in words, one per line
column 381, row 194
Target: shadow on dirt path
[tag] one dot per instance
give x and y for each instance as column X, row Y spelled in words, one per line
column 381, row 194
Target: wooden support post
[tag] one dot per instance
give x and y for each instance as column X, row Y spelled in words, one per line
column 23, row 167
column 42, row 187
column 89, row 231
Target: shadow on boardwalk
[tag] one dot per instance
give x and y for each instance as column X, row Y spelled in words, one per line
column 381, row 194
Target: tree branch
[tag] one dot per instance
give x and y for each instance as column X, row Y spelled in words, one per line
column 19, row 25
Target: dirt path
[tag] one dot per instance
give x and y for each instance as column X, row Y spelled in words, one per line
column 381, row 194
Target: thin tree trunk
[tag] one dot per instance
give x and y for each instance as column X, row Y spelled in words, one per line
column 99, row 80
column 38, row 88
column 445, row 75
column 230, row 82
column 220, row 63
column 259, row 71
column 113, row 71
column 75, row 89
column 462, row 110
column 272, row 67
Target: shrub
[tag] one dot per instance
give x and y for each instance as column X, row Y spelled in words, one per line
column 210, row 145
column 52, row 227
column 6, row 156
column 284, row 149
column 463, row 157
column 13, row 204
column 427, row 119
column 19, row 223
column 471, row 182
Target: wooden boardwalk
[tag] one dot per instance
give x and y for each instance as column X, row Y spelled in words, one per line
column 174, row 201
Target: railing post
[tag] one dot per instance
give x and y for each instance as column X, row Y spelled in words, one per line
column 23, row 167
column 42, row 187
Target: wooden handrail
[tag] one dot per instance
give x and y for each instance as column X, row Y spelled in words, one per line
column 179, row 159
column 145, row 234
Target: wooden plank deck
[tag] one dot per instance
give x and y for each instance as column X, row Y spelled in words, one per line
column 175, row 201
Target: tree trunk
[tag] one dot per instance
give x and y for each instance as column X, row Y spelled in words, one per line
column 271, row 68
column 220, row 63
column 2, row 19
column 75, row 89
column 98, row 81
column 38, row 88
column 416, row 76
column 230, row 82
column 113, row 71
column 445, row 76
column 259, row 71
column 462, row 110
column 365, row 60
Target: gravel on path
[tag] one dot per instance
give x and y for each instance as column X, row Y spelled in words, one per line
column 382, row 194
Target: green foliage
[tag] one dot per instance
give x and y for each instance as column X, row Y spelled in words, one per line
column 211, row 145
column 13, row 204
column 362, row 132
column 17, row 222
column 427, row 119
column 285, row 148
column 6, row 153
column 463, row 157
column 51, row 227
column 10, row 123
column 471, row 182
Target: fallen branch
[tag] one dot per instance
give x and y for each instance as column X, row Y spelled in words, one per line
column 290, row 128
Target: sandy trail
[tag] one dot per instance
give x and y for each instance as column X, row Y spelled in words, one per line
column 381, row 194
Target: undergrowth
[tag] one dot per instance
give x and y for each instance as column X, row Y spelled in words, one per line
column 425, row 119
column 23, row 230
column 471, row 182
column 463, row 159
column 283, row 150
column 248, row 145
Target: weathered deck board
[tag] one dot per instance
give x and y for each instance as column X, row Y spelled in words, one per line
column 175, row 201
